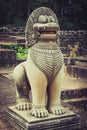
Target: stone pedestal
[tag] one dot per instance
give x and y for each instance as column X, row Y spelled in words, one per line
column 22, row 120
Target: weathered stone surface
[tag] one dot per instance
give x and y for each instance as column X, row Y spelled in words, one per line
column 7, row 56
column 44, row 62
column 77, row 71
column 71, row 37
column 22, row 120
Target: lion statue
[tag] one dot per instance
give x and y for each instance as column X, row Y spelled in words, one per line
column 41, row 75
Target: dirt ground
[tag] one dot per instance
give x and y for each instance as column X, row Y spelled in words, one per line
column 7, row 95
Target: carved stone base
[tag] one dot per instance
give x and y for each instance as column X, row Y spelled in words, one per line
column 22, row 120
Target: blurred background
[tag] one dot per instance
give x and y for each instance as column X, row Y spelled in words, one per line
column 72, row 14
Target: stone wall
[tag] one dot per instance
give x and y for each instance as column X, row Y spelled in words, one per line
column 7, row 57
column 73, row 37
column 11, row 29
column 66, row 38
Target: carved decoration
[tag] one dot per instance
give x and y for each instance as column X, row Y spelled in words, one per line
column 31, row 34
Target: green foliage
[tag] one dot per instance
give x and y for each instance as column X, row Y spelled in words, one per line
column 7, row 66
column 18, row 21
column 21, row 51
column 9, row 46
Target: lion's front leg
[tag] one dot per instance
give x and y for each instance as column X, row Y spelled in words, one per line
column 38, row 83
column 54, row 94
column 22, row 87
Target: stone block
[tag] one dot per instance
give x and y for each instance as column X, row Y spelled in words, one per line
column 22, row 120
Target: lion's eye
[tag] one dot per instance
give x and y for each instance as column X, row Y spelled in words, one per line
column 42, row 19
column 51, row 19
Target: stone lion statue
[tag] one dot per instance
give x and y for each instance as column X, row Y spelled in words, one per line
column 42, row 72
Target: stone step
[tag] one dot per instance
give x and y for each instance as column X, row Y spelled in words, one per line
column 13, row 37
column 74, row 94
column 79, row 105
column 75, row 100
column 77, row 71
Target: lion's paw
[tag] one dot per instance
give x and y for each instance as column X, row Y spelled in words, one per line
column 57, row 110
column 23, row 106
column 40, row 112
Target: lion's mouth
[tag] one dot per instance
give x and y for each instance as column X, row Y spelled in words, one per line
column 46, row 27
